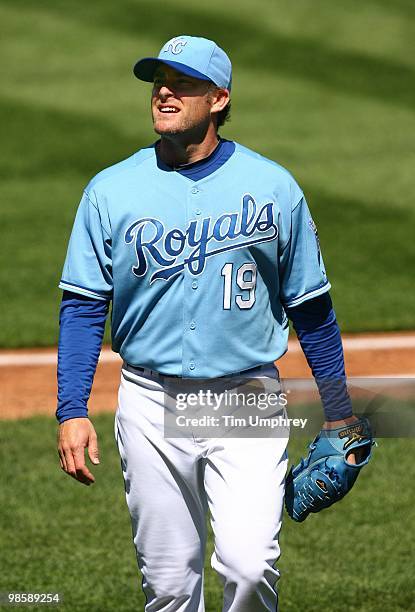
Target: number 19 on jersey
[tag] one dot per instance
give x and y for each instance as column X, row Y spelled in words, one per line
column 245, row 278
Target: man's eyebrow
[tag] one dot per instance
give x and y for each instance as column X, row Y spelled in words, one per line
column 160, row 73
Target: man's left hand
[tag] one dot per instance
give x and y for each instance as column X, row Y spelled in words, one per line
column 333, row 464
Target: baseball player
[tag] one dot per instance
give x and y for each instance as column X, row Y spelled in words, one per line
column 204, row 249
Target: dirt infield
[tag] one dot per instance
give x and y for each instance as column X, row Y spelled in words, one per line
column 28, row 377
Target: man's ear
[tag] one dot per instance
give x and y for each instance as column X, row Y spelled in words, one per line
column 219, row 99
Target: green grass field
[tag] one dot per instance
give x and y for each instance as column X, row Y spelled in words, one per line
column 325, row 88
column 57, row 535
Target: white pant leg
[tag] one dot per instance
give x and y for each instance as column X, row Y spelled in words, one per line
column 245, row 480
column 165, row 497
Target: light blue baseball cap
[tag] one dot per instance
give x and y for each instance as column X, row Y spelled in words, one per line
column 197, row 57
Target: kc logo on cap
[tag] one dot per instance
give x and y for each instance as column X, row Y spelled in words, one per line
column 175, row 45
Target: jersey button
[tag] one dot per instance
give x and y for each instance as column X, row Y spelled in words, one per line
column 198, row 211
column 194, row 285
column 192, row 325
column 194, row 190
column 192, row 365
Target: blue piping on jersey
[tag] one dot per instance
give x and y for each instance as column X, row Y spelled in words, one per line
column 71, row 287
column 308, row 296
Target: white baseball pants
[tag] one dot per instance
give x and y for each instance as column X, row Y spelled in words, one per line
column 171, row 483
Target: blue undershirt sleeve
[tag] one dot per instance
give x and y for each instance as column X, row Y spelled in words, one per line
column 318, row 332
column 82, row 323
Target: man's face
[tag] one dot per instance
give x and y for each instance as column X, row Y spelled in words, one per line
column 179, row 103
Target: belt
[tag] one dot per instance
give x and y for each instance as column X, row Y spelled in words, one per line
column 148, row 372
column 139, row 370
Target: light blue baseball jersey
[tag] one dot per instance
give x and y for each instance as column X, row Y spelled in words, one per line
column 199, row 272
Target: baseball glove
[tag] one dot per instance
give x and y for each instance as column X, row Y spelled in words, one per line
column 325, row 476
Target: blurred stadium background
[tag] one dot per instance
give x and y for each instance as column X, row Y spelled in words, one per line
column 325, row 88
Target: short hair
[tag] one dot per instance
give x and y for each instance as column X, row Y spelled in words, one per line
column 223, row 115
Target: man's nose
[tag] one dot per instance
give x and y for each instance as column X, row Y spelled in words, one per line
column 165, row 91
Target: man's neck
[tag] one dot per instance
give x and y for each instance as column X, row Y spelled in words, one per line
column 177, row 152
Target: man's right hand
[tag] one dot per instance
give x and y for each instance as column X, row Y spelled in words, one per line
column 74, row 436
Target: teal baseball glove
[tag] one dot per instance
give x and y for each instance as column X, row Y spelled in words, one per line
column 326, row 475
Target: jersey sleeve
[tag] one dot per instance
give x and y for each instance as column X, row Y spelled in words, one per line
column 88, row 264
column 302, row 271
